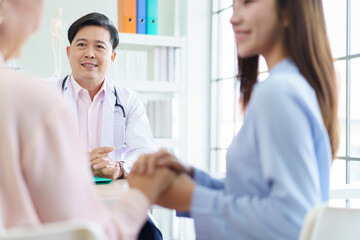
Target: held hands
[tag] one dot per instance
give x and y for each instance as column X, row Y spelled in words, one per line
column 147, row 163
column 162, row 178
column 102, row 165
column 152, row 186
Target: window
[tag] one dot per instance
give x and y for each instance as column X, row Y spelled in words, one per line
column 224, row 118
column 342, row 27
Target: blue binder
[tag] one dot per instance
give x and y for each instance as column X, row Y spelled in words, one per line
column 141, row 16
column 152, row 17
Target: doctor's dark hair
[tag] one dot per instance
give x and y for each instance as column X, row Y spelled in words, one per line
column 306, row 43
column 94, row 19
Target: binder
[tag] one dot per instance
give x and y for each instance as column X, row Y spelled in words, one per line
column 152, row 17
column 99, row 180
column 141, row 16
column 127, row 16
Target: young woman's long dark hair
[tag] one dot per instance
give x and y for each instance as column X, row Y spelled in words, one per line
column 306, row 42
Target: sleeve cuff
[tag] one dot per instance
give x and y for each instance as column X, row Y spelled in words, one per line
column 202, row 204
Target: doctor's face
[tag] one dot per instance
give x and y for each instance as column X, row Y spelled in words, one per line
column 90, row 54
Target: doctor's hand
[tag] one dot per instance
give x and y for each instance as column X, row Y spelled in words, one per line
column 152, row 186
column 147, row 164
column 102, row 165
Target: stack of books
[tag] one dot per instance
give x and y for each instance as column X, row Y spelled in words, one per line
column 138, row 16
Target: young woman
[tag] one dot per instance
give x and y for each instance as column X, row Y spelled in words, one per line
column 45, row 175
column 278, row 164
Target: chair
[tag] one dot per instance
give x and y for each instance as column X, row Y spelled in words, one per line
column 325, row 223
column 69, row 230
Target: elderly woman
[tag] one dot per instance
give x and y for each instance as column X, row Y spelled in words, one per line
column 44, row 172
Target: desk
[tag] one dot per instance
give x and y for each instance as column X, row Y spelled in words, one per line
column 113, row 191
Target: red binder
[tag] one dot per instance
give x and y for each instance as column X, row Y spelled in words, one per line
column 127, row 16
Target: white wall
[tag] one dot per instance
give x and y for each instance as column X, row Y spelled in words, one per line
column 195, row 24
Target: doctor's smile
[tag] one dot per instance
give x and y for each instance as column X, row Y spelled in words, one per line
column 88, row 65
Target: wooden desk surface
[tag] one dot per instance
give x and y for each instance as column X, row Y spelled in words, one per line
column 113, row 191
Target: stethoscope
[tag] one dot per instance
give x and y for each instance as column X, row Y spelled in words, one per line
column 117, row 104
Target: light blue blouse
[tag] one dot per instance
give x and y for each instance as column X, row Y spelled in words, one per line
column 277, row 166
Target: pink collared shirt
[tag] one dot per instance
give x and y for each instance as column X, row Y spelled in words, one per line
column 89, row 114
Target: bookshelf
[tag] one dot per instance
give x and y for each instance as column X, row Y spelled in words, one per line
column 142, row 41
column 154, row 67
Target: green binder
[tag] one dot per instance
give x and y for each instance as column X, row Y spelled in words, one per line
column 152, row 17
column 100, row 180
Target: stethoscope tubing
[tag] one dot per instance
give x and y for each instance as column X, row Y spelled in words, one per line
column 117, row 104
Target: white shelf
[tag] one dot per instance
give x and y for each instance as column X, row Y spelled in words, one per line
column 128, row 41
column 151, row 86
column 157, row 53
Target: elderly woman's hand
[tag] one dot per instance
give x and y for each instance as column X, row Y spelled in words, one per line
column 152, row 186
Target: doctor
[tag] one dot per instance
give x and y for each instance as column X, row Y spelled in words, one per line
column 111, row 119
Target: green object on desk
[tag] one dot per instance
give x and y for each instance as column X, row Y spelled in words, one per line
column 100, row 180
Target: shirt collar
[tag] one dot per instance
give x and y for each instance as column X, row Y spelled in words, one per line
column 77, row 88
column 283, row 64
column 102, row 90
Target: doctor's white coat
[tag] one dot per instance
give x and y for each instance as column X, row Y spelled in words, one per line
column 138, row 136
